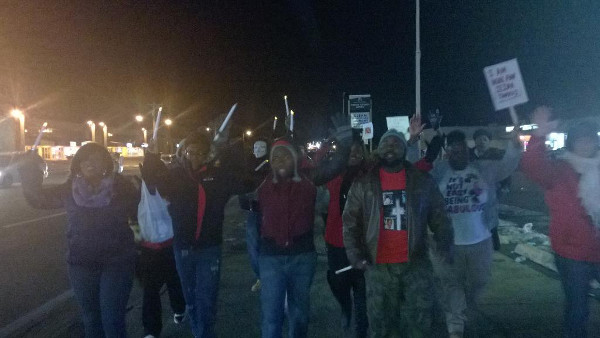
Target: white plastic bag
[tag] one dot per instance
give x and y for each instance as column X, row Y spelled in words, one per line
column 154, row 219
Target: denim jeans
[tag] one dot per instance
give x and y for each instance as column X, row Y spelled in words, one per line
column 252, row 239
column 102, row 292
column 199, row 271
column 575, row 277
column 281, row 275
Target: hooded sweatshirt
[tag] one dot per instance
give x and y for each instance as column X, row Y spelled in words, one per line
column 288, row 209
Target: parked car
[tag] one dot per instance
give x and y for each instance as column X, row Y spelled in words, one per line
column 9, row 171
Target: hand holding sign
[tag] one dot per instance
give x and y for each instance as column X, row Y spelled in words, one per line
column 541, row 117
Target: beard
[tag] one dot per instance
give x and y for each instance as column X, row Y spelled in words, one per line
column 391, row 163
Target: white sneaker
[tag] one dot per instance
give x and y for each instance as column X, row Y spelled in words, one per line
column 179, row 318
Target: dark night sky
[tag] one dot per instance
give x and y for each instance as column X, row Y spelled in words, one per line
column 100, row 60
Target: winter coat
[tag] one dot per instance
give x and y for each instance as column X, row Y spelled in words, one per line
column 94, row 235
column 572, row 234
column 425, row 208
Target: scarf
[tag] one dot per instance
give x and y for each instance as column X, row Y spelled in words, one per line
column 85, row 196
column 589, row 183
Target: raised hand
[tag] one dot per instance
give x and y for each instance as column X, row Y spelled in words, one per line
column 415, row 127
column 541, row 117
column 343, row 131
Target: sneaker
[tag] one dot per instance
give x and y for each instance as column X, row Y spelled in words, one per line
column 256, row 286
column 179, row 318
column 149, row 336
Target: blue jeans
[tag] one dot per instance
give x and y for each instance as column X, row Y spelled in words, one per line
column 102, row 292
column 281, row 275
column 199, row 271
column 575, row 277
column 252, row 238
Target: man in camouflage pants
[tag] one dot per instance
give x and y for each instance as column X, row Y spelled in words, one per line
column 385, row 233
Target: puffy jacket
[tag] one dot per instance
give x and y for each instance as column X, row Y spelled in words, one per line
column 94, row 235
column 288, row 215
column 572, row 234
column 425, row 207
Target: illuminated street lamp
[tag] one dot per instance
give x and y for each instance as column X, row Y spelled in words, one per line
column 247, row 133
column 168, row 123
column 92, row 129
column 139, row 118
column 104, row 132
column 18, row 114
column 145, row 135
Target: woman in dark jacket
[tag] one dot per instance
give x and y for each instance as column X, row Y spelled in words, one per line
column 101, row 251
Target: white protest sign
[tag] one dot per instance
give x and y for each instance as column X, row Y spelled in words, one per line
column 400, row 123
column 367, row 131
column 505, row 84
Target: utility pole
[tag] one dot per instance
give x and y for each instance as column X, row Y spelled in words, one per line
column 418, row 61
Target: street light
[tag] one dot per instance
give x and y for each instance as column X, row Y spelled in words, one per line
column 247, row 133
column 168, row 123
column 145, row 135
column 93, row 130
column 18, row 114
column 104, row 132
column 139, row 118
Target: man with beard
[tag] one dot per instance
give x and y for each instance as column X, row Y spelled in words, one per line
column 395, row 259
column 469, row 190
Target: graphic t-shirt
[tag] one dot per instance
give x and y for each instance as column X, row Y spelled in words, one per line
column 465, row 194
column 393, row 227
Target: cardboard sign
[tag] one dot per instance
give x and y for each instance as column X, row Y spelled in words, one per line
column 367, row 131
column 400, row 123
column 505, row 84
column 359, row 109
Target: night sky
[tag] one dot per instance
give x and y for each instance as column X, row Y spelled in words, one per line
column 101, row 60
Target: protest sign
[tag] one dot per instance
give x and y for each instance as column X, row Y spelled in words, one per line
column 400, row 123
column 506, row 86
column 359, row 109
column 367, row 131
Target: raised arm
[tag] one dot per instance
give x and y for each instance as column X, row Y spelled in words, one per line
column 37, row 196
column 328, row 169
column 535, row 163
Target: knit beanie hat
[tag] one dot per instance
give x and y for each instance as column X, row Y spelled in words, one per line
column 287, row 145
column 392, row 133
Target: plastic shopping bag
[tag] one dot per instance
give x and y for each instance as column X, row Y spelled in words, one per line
column 154, row 219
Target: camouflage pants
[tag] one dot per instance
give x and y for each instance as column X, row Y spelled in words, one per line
column 400, row 299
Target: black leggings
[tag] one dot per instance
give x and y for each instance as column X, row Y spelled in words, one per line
column 346, row 286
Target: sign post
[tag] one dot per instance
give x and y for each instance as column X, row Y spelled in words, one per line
column 360, row 111
column 506, row 87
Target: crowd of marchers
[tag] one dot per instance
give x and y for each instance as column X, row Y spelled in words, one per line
column 406, row 235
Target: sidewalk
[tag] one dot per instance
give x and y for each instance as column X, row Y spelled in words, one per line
column 522, row 300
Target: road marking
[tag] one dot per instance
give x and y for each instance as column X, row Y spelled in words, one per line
column 33, row 220
column 36, row 315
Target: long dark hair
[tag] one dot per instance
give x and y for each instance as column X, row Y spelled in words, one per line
column 85, row 152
